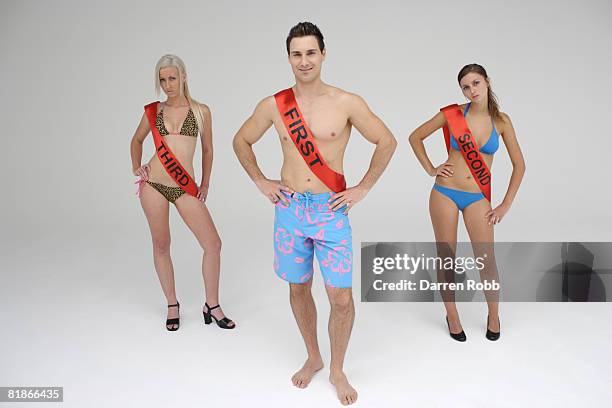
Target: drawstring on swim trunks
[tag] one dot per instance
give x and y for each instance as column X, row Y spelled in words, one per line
column 304, row 199
column 308, row 197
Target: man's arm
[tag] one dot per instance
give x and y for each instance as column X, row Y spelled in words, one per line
column 251, row 131
column 375, row 131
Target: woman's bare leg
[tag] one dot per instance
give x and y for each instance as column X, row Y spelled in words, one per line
column 482, row 237
column 444, row 217
column 198, row 219
column 155, row 207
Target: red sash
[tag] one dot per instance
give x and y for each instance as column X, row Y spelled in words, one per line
column 304, row 141
column 467, row 146
column 166, row 157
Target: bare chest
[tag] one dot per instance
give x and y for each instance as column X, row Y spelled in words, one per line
column 325, row 120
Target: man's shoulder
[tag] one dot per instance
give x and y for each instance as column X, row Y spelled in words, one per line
column 267, row 104
column 342, row 96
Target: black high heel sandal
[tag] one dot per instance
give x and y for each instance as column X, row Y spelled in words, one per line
column 222, row 323
column 174, row 321
column 456, row 336
column 491, row 335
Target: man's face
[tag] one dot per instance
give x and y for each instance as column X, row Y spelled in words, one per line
column 306, row 58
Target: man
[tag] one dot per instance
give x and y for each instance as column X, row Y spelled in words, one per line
column 314, row 121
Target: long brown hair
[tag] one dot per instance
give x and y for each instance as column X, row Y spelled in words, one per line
column 492, row 103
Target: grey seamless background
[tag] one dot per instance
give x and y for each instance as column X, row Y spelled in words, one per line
column 76, row 243
column 78, row 75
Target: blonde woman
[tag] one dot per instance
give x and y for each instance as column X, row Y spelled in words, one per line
column 166, row 178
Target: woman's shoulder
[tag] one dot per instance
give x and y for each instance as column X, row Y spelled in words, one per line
column 440, row 116
column 461, row 106
column 502, row 122
column 504, row 117
column 204, row 108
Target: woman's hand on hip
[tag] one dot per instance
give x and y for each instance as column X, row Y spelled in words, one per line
column 443, row 170
column 143, row 172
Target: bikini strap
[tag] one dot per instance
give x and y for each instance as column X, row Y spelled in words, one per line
column 467, row 108
column 494, row 127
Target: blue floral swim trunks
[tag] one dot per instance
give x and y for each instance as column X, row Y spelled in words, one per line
column 308, row 226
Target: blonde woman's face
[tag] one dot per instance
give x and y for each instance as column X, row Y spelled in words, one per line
column 170, row 82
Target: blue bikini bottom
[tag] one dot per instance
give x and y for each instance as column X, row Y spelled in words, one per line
column 461, row 198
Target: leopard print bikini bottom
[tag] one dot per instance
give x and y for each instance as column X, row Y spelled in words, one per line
column 170, row 193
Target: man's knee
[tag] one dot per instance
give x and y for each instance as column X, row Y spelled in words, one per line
column 340, row 299
column 300, row 290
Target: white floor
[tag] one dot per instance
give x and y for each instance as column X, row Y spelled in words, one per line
column 90, row 319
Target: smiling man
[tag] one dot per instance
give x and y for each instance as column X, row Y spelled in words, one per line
column 314, row 121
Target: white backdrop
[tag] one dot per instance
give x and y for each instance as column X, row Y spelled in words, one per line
column 77, row 74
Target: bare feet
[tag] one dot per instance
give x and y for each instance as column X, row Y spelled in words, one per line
column 346, row 394
column 302, row 378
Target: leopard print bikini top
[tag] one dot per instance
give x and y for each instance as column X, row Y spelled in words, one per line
column 189, row 128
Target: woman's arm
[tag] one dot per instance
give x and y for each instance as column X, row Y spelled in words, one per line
column 136, row 146
column 207, row 145
column 495, row 215
column 416, row 142
column 516, row 157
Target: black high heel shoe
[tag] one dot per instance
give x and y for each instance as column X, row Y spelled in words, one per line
column 456, row 336
column 491, row 335
column 222, row 323
column 174, row 321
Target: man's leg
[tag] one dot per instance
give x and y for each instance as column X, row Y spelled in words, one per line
column 305, row 313
column 340, row 324
column 293, row 256
column 334, row 250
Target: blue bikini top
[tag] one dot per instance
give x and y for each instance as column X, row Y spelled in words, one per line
column 492, row 144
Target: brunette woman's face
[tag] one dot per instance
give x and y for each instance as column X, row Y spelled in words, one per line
column 474, row 87
column 169, row 81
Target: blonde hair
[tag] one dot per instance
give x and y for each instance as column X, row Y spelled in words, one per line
column 170, row 60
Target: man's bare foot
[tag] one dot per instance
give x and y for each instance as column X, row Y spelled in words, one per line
column 346, row 393
column 302, row 378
